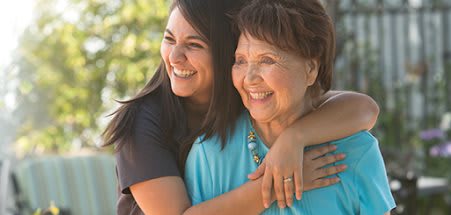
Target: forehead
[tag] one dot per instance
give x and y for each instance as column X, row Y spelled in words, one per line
column 249, row 45
column 178, row 24
column 247, row 41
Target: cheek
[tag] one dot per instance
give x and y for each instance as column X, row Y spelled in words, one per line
column 276, row 79
column 283, row 84
column 164, row 52
column 201, row 60
column 296, row 88
column 237, row 77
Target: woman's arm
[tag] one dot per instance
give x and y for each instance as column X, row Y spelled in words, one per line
column 339, row 114
column 167, row 195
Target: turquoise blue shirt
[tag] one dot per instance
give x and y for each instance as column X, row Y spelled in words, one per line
column 363, row 188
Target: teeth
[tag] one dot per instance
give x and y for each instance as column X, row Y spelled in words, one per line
column 183, row 73
column 260, row 95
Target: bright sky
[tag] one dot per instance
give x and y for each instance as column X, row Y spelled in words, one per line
column 14, row 17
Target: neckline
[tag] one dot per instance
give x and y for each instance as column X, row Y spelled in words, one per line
column 251, row 126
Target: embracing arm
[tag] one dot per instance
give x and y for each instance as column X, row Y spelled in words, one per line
column 167, row 195
column 339, row 114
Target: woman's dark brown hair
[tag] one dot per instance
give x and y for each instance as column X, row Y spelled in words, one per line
column 210, row 20
column 298, row 26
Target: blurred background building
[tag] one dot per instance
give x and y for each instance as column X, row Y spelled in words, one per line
column 399, row 52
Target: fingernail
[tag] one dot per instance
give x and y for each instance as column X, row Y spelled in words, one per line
column 342, row 156
column 299, row 197
column 344, row 167
column 266, row 205
column 334, row 147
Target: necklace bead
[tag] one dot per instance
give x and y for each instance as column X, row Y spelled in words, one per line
column 252, row 145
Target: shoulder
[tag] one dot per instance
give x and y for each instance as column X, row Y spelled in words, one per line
column 372, row 183
column 242, row 123
column 150, row 106
column 147, row 156
column 358, row 143
column 356, row 147
column 205, row 149
column 361, row 136
column 369, row 176
column 147, row 124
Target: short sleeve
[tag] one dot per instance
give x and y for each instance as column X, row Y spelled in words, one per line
column 372, row 183
column 145, row 158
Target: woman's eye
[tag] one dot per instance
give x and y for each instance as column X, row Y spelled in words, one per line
column 195, row 45
column 267, row 60
column 169, row 39
column 239, row 61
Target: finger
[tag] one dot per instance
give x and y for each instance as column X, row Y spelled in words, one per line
column 323, row 182
column 289, row 192
column 328, row 159
column 298, row 181
column 257, row 173
column 320, row 173
column 279, row 189
column 320, row 151
column 267, row 187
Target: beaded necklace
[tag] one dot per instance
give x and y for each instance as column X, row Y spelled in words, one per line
column 252, row 146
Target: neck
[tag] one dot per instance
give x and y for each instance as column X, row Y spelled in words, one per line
column 270, row 131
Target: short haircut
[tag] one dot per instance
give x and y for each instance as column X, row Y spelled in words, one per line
column 298, row 26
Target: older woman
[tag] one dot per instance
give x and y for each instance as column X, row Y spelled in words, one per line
column 283, row 63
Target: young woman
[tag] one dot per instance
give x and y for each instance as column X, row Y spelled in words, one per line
column 191, row 94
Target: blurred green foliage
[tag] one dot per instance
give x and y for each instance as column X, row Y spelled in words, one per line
column 74, row 59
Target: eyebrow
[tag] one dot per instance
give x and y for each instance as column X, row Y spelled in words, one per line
column 195, row 37
column 275, row 54
column 272, row 53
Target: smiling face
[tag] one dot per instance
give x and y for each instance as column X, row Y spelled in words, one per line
column 272, row 83
column 188, row 60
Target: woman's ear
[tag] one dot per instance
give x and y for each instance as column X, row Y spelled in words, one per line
column 312, row 71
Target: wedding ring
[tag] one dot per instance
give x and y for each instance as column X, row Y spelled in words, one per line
column 288, row 179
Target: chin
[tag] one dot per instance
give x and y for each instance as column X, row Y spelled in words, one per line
column 182, row 93
column 259, row 117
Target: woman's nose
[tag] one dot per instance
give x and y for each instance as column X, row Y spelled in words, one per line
column 177, row 55
column 252, row 75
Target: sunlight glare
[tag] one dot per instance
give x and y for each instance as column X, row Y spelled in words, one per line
column 14, row 17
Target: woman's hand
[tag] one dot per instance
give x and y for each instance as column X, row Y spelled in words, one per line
column 280, row 162
column 284, row 160
column 314, row 170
